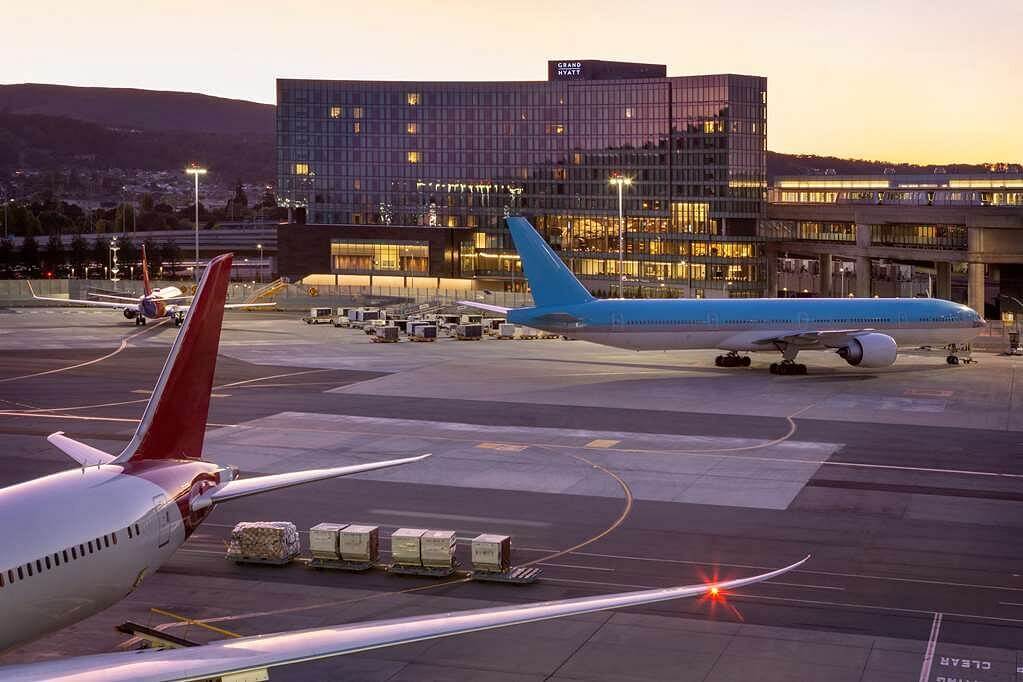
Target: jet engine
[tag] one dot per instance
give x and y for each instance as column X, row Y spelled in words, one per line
column 869, row 350
column 130, row 314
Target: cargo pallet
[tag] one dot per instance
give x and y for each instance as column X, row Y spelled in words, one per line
column 341, row 564
column 317, row 320
column 520, row 575
column 422, row 338
column 429, row 571
column 469, row 338
column 241, row 559
column 380, row 339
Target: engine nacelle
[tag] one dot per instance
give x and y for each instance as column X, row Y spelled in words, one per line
column 870, row 350
column 130, row 314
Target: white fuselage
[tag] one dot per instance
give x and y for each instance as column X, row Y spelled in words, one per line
column 59, row 546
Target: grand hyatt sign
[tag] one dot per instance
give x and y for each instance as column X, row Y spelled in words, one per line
column 568, row 69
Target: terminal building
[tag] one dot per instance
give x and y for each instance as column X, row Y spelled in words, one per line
column 952, row 236
column 409, row 182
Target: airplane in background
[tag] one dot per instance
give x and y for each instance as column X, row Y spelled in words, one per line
column 78, row 541
column 153, row 304
column 865, row 332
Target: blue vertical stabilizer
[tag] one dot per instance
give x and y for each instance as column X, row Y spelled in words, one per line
column 549, row 278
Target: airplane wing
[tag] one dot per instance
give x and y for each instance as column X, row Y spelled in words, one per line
column 115, row 298
column 227, row 306
column 232, row 490
column 834, row 338
column 94, row 304
column 257, row 654
column 486, row 306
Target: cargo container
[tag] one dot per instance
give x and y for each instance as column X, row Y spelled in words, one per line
column 359, row 543
column 424, row 332
column 368, row 314
column 437, row 548
column 491, row 553
column 492, row 325
column 385, row 334
column 323, row 540
column 469, row 332
column 406, row 546
column 319, row 316
column 506, row 331
column 264, row 542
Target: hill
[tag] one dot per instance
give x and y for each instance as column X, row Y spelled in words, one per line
column 151, row 110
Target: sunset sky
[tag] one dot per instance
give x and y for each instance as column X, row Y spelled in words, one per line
column 932, row 81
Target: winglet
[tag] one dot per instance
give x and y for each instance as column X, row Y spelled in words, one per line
column 174, row 423
column 550, row 280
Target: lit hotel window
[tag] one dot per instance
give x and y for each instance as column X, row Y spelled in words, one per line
column 411, row 128
column 629, row 112
column 412, row 98
column 301, row 169
column 556, row 128
column 413, row 157
column 356, row 112
column 357, row 128
column 335, row 112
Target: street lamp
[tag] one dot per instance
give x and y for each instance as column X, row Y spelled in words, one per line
column 621, row 181
column 259, row 272
column 196, row 171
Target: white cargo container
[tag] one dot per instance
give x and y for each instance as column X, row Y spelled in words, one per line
column 359, row 543
column 491, row 553
column 437, row 548
column 406, row 546
column 506, row 331
column 323, row 540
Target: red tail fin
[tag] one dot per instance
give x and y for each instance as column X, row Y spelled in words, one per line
column 145, row 273
column 174, row 423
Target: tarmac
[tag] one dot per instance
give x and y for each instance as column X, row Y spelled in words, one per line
column 653, row 469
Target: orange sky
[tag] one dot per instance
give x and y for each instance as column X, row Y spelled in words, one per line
column 927, row 81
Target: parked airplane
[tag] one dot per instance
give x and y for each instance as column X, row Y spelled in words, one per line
column 78, row 541
column 152, row 304
column 865, row 332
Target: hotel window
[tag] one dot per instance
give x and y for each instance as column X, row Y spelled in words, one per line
column 357, row 128
column 356, row 112
column 413, row 157
column 411, row 128
column 301, row 169
column 336, row 112
column 629, row 112
column 412, row 99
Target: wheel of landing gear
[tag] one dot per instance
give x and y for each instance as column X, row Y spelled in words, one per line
column 774, row 368
column 799, row 369
column 143, row 321
column 718, row 362
column 746, row 361
column 952, row 359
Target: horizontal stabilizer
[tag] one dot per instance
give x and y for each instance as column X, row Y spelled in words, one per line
column 86, row 455
column 485, row 306
column 260, row 484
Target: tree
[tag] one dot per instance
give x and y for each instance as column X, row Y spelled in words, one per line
column 53, row 254
column 52, row 222
column 101, row 252
column 79, row 251
column 147, row 203
column 30, row 252
column 171, row 256
column 6, row 253
column 124, row 219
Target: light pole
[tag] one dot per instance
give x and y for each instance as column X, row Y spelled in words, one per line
column 621, row 181
column 196, row 171
column 259, row 271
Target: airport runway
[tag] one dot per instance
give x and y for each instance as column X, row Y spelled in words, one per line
column 905, row 484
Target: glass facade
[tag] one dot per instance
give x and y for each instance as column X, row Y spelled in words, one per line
column 367, row 256
column 466, row 155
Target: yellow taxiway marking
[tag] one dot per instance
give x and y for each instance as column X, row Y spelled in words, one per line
column 502, row 447
column 602, row 443
column 192, row 621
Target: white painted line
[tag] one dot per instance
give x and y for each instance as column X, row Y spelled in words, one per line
column 458, row 517
column 925, row 669
column 583, row 568
column 1009, row 603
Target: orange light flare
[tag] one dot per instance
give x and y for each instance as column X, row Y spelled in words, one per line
column 715, row 596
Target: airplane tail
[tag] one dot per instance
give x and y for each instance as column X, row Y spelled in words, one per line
column 174, row 423
column 550, row 280
column 145, row 273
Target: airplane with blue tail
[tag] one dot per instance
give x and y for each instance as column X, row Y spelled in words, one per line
column 865, row 332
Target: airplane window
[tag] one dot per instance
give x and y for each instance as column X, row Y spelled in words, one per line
column 10, row 575
column 81, row 550
column 29, row 567
column 47, row 563
column 136, row 529
column 74, row 554
column 1, row 579
column 39, row 566
column 106, row 540
column 89, row 544
column 129, row 532
column 56, row 559
column 21, row 574
column 114, row 537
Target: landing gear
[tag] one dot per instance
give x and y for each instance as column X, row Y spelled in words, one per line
column 733, row 359
column 787, row 367
column 140, row 320
column 959, row 354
